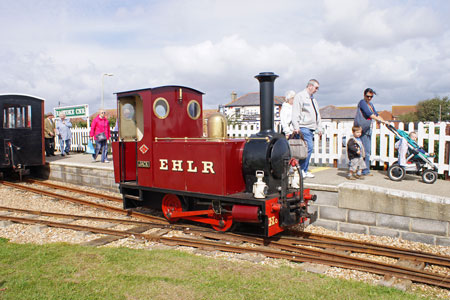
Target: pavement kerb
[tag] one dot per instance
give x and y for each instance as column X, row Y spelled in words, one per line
column 79, row 165
column 396, row 193
column 322, row 187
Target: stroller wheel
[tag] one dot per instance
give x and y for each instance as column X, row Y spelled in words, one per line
column 396, row 172
column 429, row 176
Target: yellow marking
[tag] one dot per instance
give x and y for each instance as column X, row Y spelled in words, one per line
column 315, row 170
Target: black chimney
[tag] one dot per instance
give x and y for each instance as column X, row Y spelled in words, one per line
column 266, row 96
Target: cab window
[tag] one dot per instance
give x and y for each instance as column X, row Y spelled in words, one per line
column 161, row 108
column 131, row 123
column 193, row 109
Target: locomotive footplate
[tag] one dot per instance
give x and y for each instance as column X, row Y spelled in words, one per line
column 221, row 212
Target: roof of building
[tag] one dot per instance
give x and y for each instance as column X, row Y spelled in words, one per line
column 399, row 110
column 333, row 112
column 252, row 99
column 386, row 115
column 208, row 112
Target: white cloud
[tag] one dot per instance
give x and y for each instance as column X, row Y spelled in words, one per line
column 59, row 49
column 362, row 23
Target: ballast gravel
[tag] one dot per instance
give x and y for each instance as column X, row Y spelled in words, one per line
column 39, row 234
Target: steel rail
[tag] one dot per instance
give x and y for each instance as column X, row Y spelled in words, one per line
column 85, row 202
column 325, row 241
column 299, row 250
column 77, row 217
column 328, row 238
column 398, row 253
column 309, row 255
column 78, row 191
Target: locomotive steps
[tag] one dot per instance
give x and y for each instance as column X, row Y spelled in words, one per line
column 409, row 209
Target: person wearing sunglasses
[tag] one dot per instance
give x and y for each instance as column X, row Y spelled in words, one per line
column 365, row 113
column 306, row 119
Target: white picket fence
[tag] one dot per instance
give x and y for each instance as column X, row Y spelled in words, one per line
column 331, row 148
column 80, row 138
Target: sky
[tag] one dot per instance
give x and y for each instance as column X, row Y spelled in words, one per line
column 59, row 49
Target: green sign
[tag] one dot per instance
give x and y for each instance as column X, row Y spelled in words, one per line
column 79, row 111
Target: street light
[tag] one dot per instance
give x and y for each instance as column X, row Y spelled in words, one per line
column 103, row 76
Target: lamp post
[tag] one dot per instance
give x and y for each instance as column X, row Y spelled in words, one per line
column 103, row 76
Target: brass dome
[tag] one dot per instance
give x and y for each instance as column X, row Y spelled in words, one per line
column 217, row 126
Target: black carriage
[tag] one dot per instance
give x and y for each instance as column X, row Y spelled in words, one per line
column 21, row 134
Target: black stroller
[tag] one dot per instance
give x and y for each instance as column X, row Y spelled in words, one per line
column 417, row 161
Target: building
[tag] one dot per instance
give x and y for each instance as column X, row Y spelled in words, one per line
column 244, row 110
column 398, row 110
column 333, row 113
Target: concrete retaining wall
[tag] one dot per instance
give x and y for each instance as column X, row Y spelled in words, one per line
column 96, row 177
column 355, row 208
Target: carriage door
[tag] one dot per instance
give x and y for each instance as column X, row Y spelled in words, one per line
column 130, row 133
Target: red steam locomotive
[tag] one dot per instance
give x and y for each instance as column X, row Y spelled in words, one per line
column 162, row 160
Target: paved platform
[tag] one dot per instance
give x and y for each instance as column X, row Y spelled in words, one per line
column 411, row 183
column 79, row 159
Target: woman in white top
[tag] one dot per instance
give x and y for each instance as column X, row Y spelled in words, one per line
column 286, row 114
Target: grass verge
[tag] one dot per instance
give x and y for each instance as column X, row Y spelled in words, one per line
column 61, row 271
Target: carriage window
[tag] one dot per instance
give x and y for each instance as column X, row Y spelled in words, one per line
column 161, row 108
column 17, row 116
column 193, row 109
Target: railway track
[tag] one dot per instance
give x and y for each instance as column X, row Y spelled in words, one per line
column 305, row 247
column 84, row 202
column 274, row 250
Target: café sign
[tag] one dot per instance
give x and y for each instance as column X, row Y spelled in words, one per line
column 78, row 111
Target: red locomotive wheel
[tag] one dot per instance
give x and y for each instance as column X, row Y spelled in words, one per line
column 225, row 220
column 171, row 203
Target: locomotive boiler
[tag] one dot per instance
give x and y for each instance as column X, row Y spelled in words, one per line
column 162, row 160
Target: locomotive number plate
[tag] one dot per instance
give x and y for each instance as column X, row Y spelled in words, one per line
column 272, row 221
column 143, row 164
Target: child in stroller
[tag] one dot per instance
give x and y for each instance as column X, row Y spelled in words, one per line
column 411, row 158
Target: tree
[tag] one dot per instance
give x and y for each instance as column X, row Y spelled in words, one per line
column 435, row 109
column 409, row 117
column 233, row 119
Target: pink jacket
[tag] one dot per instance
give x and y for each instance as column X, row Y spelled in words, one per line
column 100, row 125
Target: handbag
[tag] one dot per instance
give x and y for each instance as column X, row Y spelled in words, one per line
column 90, row 148
column 361, row 121
column 100, row 137
column 299, row 148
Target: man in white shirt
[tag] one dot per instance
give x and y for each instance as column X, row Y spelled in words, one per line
column 306, row 119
